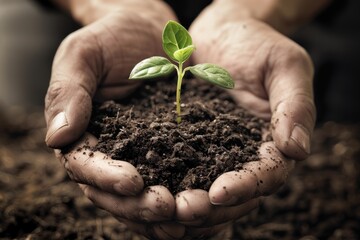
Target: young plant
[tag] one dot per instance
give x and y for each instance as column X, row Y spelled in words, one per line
column 177, row 44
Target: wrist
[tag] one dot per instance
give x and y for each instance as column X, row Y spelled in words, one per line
column 88, row 11
column 80, row 10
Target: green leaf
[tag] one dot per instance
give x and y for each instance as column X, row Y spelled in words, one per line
column 152, row 67
column 183, row 54
column 174, row 38
column 213, row 74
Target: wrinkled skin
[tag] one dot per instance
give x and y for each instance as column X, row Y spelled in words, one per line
column 273, row 80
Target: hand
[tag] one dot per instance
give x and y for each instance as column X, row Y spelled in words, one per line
column 95, row 62
column 273, row 78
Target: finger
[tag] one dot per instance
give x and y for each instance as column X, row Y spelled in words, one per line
column 193, row 208
column 257, row 178
column 155, row 203
column 163, row 230
column 75, row 74
column 98, row 170
column 291, row 99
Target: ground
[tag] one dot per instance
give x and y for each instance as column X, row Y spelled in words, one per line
column 38, row 201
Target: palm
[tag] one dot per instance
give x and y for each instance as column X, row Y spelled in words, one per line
column 248, row 52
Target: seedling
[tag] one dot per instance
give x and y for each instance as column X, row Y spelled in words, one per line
column 178, row 46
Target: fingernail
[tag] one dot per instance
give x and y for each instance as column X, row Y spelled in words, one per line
column 56, row 124
column 300, row 135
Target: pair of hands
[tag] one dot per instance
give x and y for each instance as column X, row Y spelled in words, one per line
column 273, row 80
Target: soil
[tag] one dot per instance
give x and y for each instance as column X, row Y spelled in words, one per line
column 38, row 201
column 214, row 136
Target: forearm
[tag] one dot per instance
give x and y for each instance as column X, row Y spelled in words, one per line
column 88, row 11
column 283, row 15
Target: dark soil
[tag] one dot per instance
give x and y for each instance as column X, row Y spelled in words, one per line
column 38, row 201
column 214, row 136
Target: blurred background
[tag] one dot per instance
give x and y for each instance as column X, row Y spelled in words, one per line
column 333, row 41
column 29, row 36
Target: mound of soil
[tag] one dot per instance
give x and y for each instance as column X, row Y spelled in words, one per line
column 214, row 136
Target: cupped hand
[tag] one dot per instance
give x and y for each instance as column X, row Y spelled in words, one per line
column 273, row 78
column 94, row 63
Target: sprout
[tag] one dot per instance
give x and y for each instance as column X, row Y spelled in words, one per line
column 178, row 46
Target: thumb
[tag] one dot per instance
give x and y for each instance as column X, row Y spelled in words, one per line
column 73, row 83
column 292, row 104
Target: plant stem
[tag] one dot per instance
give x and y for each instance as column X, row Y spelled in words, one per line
column 178, row 92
